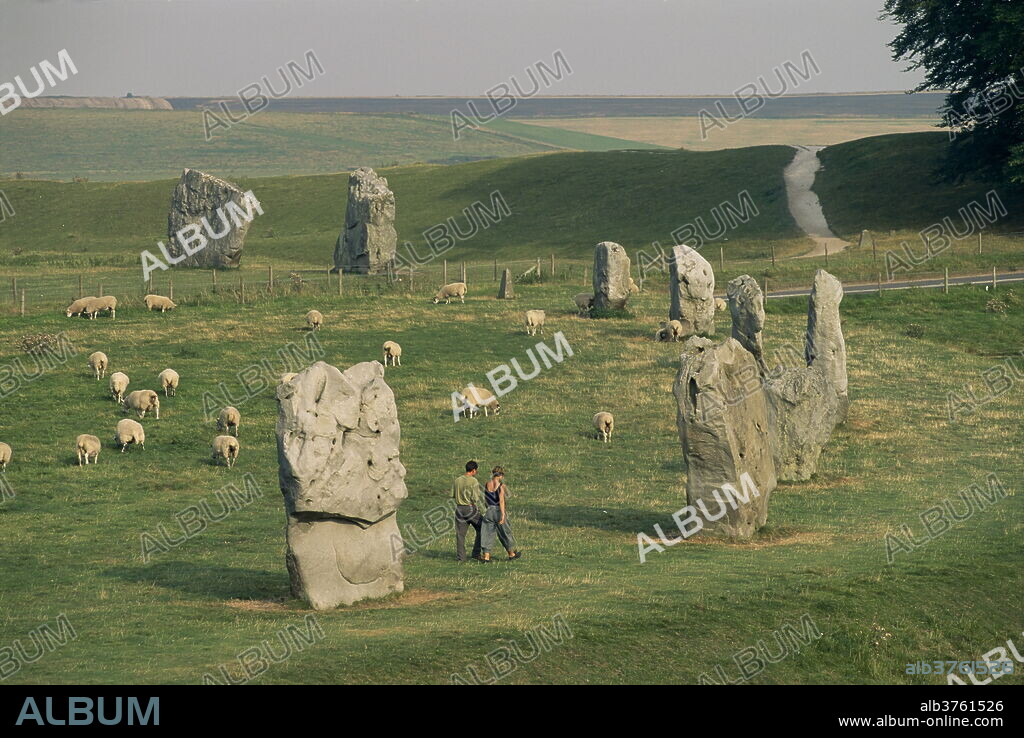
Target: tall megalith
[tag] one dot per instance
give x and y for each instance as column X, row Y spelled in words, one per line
column 207, row 222
column 692, row 289
column 368, row 241
column 611, row 276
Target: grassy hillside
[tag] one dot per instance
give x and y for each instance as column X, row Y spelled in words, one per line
column 566, row 138
column 72, row 536
column 891, row 182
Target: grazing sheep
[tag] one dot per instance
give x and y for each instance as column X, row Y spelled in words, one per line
column 315, row 320
column 142, row 401
column 158, row 302
column 129, row 431
column 633, row 287
column 225, row 447
column 288, row 377
column 229, row 418
column 720, row 304
column 118, row 385
column 673, row 330
column 169, row 381
column 79, row 306
column 534, row 321
column 478, row 397
column 446, row 293
column 5, row 456
column 584, row 303
column 97, row 304
column 87, row 447
column 98, row 362
column 605, row 423
column 393, row 352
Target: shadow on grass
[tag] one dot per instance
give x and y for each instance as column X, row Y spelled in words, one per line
column 218, row 582
column 616, row 519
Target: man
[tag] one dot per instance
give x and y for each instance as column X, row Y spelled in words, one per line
column 468, row 496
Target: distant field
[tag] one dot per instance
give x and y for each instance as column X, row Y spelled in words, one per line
column 685, row 132
column 564, row 138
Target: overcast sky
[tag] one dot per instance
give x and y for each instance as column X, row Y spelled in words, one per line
column 449, row 47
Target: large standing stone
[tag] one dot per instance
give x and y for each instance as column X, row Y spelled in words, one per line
column 611, row 276
column 825, row 346
column 505, row 291
column 746, row 304
column 338, row 465
column 692, row 289
column 722, row 417
column 867, row 241
column 803, row 411
column 368, row 242
column 200, row 205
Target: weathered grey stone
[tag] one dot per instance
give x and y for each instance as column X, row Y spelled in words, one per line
column 339, row 471
column 692, row 289
column 611, row 276
column 368, row 242
column 803, row 411
column 505, row 291
column 205, row 205
column 825, row 346
column 866, row 241
column 746, row 305
column 722, row 418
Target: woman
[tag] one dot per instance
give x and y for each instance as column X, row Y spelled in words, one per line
column 495, row 519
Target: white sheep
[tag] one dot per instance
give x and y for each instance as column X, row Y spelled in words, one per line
column 584, row 302
column 673, row 330
column 315, row 320
column 98, row 362
column 288, row 376
column 392, row 353
column 446, row 293
column 5, row 456
column 605, row 423
column 129, row 431
column 118, row 385
column 720, row 304
column 87, row 447
column 142, row 401
column 159, row 302
column 226, row 447
column 534, row 321
column 78, row 306
column 229, row 418
column 633, row 287
column 169, row 382
column 478, row 397
column 95, row 305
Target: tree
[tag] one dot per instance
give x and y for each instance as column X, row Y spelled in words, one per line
column 974, row 49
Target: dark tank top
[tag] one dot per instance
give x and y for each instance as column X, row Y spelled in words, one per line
column 492, row 497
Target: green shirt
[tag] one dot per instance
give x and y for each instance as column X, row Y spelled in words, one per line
column 466, row 490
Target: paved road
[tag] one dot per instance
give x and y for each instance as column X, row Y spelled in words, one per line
column 853, row 289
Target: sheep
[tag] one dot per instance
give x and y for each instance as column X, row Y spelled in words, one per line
column 229, row 418
column 78, row 307
column 673, row 330
column 605, row 423
column 289, row 376
column 142, row 401
column 446, row 293
column 584, row 302
column 479, row 397
column 633, row 287
column 720, row 304
column 87, row 446
column 169, row 381
column 118, row 384
column 393, row 352
column 97, row 304
column 99, row 362
column 225, row 447
column 534, row 321
column 158, row 302
column 5, row 456
column 315, row 320
column 129, row 431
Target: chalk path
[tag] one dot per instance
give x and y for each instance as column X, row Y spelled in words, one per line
column 804, row 204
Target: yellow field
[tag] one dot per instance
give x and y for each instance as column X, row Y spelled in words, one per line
column 686, row 131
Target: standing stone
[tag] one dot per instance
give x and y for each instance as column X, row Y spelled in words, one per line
column 825, row 346
column 611, row 276
column 722, row 417
column 746, row 304
column 505, row 289
column 803, row 412
column 205, row 205
column 866, row 240
column 339, row 471
column 368, row 242
column 692, row 289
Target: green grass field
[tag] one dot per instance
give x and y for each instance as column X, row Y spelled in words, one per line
column 72, row 535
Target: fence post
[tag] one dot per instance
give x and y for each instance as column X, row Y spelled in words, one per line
column 81, row 292
column 979, row 242
column 874, row 256
column 879, row 284
column 23, row 303
column 270, row 278
column 552, row 266
column 241, row 289
column 826, row 254
column 215, row 281
column 538, row 269
column 100, row 293
column 410, row 278
column 170, row 289
column 766, row 288
column 463, row 280
column 340, row 287
column 584, row 275
column 773, row 256
column 14, row 290
column 993, row 281
column 721, row 259
column 945, row 280
column 444, row 272
column 494, row 278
